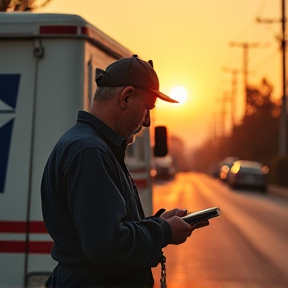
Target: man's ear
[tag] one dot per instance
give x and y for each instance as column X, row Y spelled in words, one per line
column 125, row 96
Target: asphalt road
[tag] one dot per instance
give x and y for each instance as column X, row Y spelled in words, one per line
column 246, row 247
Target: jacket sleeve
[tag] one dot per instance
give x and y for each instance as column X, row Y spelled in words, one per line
column 99, row 212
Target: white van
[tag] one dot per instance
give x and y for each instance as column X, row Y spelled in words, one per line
column 47, row 71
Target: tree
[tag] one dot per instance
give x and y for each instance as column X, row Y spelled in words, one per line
column 22, row 5
column 256, row 138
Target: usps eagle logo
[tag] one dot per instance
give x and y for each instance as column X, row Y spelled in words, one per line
column 9, row 84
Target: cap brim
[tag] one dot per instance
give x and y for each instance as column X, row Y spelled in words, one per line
column 163, row 97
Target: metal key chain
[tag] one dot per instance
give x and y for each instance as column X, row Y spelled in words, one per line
column 163, row 271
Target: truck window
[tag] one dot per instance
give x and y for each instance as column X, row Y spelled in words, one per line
column 90, row 84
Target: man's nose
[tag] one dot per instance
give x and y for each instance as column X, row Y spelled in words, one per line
column 147, row 121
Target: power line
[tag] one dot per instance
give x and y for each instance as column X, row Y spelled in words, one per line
column 245, row 46
column 283, row 117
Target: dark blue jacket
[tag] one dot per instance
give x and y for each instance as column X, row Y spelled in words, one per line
column 92, row 211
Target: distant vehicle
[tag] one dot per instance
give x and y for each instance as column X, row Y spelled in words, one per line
column 163, row 161
column 224, row 166
column 248, row 174
column 165, row 168
column 224, row 170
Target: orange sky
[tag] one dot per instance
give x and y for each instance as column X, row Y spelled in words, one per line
column 188, row 41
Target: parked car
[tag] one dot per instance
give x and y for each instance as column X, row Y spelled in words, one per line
column 248, row 174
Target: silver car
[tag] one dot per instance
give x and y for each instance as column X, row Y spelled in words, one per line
column 248, row 174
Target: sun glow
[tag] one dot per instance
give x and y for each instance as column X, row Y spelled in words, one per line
column 179, row 93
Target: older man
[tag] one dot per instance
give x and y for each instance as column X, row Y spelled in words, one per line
column 90, row 203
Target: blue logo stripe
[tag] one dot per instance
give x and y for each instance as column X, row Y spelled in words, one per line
column 5, row 136
column 9, row 84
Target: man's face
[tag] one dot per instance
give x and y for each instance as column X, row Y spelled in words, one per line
column 131, row 139
column 142, row 101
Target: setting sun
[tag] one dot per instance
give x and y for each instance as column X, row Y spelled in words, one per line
column 180, row 94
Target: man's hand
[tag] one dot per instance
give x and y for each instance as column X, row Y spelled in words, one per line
column 180, row 229
column 175, row 212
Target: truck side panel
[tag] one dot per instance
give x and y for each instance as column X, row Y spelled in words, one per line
column 59, row 91
column 94, row 58
column 17, row 74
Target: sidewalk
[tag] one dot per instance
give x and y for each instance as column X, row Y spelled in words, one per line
column 278, row 190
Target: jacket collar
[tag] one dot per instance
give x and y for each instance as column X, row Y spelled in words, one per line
column 103, row 129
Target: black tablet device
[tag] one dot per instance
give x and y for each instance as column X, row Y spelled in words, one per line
column 206, row 214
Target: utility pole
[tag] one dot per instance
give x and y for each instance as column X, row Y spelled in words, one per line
column 234, row 73
column 245, row 47
column 283, row 121
column 283, row 116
